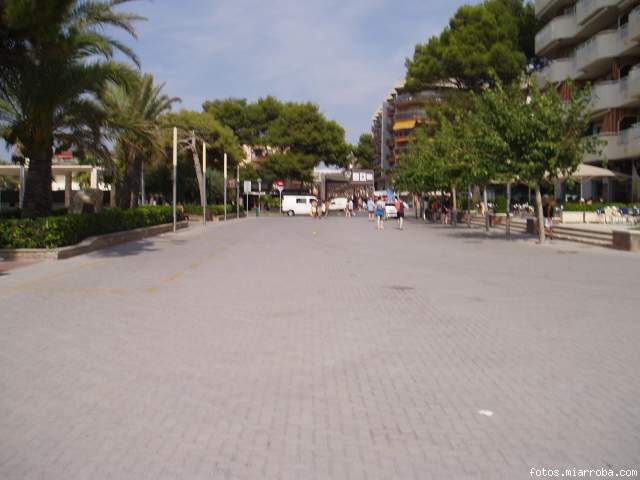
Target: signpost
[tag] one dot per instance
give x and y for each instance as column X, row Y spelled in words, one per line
column 175, row 172
column 225, row 187
column 280, row 186
column 247, row 191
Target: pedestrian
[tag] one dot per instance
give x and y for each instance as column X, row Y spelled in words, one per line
column 322, row 210
column 314, row 208
column 548, row 211
column 325, row 208
column 350, row 208
column 400, row 212
column 380, row 211
column 371, row 208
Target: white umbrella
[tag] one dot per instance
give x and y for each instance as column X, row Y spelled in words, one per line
column 585, row 171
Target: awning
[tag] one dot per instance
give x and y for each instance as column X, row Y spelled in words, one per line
column 404, row 125
column 585, row 171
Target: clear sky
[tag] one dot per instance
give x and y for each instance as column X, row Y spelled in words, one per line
column 343, row 55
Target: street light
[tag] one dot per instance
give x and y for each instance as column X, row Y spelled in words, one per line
column 259, row 197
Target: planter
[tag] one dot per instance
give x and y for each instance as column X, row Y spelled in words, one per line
column 89, row 244
column 579, row 217
column 628, row 240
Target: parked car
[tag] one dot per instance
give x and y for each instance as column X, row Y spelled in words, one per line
column 390, row 210
column 338, row 204
column 297, row 204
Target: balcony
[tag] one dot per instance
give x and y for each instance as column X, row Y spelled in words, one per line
column 547, row 8
column 594, row 57
column 558, row 31
column 422, row 98
column 620, row 146
column 634, row 25
column 623, row 93
column 602, row 11
column 557, row 71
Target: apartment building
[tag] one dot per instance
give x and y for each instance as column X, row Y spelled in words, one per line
column 598, row 42
column 395, row 122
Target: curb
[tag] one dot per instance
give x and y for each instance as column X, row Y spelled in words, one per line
column 88, row 244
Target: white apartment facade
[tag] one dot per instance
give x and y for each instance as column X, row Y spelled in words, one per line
column 598, row 42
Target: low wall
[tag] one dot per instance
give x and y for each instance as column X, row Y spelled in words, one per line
column 89, row 244
column 579, row 217
column 628, row 240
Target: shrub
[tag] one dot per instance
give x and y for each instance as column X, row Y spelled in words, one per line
column 215, row 210
column 500, row 205
column 63, row 230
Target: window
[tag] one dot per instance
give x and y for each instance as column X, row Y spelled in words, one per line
column 301, row 200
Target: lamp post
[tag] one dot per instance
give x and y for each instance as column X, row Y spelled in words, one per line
column 259, row 197
column 204, row 183
column 225, row 187
column 175, row 172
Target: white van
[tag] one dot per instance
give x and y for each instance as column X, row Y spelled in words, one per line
column 338, row 204
column 297, row 204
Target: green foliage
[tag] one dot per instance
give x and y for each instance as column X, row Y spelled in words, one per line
column 482, row 42
column 536, row 137
column 584, row 207
column 364, row 152
column 500, row 205
column 134, row 113
column 64, row 230
column 299, row 133
column 219, row 138
column 60, row 59
column 249, row 121
column 303, row 131
column 216, row 210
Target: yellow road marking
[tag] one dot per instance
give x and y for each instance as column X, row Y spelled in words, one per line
column 53, row 276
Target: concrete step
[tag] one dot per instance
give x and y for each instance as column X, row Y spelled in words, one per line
column 560, row 232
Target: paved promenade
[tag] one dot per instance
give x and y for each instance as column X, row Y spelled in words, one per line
column 301, row 349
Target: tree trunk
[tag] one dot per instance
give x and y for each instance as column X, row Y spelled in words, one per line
column 198, row 168
column 38, row 199
column 454, row 210
column 417, row 204
column 130, row 191
column 508, row 219
column 540, row 215
column 486, row 208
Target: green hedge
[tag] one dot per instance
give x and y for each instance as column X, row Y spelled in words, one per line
column 64, row 230
column 583, row 207
column 215, row 210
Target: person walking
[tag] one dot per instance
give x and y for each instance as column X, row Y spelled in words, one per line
column 380, row 213
column 350, row 208
column 371, row 208
column 548, row 211
column 400, row 212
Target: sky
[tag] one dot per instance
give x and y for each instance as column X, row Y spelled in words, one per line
column 343, row 55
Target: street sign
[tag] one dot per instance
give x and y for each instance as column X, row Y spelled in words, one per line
column 247, row 186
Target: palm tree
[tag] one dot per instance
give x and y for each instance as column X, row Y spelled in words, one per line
column 134, row 113
column 61, row 60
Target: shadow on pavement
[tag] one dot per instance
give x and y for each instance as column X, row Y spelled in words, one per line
column 126, row 249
